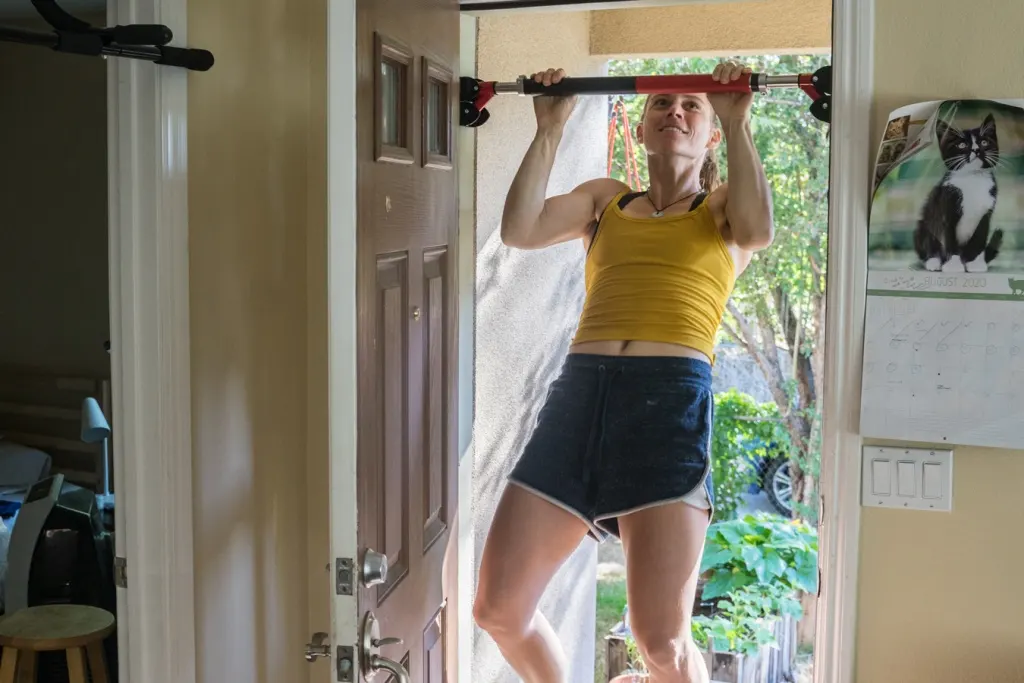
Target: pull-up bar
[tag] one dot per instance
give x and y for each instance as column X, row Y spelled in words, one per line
column 474, row 94
column 135, row 41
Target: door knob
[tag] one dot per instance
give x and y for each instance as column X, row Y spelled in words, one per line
column 318, row 648
column 370, row 660
column 375, row 568
column 397, row 671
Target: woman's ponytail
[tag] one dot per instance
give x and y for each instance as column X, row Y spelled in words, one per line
column 709, row 176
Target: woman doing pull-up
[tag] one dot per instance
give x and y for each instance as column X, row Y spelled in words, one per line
column 622, row 443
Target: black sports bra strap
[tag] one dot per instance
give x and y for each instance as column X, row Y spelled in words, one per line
column 628, row 197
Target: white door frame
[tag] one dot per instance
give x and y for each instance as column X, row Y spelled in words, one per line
column 342, row 381
column 150, row 338
column 150, row 364
column 850, row 174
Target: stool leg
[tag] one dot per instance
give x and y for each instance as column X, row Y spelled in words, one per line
column 27, row 667
column 97, row 662
column 76, row 665
column 8, row 665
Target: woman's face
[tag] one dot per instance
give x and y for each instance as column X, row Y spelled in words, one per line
column 678, row 125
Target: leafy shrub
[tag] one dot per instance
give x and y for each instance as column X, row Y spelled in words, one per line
column 763, row 549
column 756, row 567
column 744, row 430
column 743, row 622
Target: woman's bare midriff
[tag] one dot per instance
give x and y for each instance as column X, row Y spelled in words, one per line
column 637, row 348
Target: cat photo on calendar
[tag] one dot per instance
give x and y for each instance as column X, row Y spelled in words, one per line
column 954, row 232
column 952, row 201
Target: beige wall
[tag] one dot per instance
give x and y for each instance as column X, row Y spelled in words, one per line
column 54, row 297
column 256, row 158
column 939, row 594
column 759, row 27
column 317, row 521
column 528, row 302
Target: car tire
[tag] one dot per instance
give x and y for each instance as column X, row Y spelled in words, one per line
column 778, row 486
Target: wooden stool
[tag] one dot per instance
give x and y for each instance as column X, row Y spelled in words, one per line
column 79, row 630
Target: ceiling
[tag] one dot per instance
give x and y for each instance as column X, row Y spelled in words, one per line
column 20, row 9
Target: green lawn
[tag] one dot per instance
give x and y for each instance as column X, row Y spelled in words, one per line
column 611, row 600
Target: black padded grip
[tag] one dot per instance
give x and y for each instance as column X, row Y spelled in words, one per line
column 584, row 85
column 141, row 34
column 76, row 43
column 187, row 58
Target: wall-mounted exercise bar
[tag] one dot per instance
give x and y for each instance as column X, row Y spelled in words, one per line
column 135, row 41
column 474, row 94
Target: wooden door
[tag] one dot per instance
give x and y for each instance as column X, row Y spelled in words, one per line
column 407, row 52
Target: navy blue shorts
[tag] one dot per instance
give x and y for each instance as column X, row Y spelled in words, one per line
column 619, row 434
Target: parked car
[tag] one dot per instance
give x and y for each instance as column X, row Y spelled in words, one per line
column 774, row 479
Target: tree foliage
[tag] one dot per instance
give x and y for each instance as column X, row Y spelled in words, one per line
column 777, row 310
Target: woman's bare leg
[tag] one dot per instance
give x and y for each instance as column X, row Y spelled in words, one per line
column 528, row 541
column 663, row 547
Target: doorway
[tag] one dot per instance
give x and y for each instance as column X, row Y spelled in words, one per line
column 61, row 516
column 512, row 287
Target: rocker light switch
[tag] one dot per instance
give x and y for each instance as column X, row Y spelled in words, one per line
column 906, row 474
column 932, row 488
column 907, row 478
column 881, row 484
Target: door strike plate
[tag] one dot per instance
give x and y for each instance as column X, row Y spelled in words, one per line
column 345, row 579
column 346, row 663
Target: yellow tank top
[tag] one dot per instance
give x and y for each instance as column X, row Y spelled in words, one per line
column 656, row 279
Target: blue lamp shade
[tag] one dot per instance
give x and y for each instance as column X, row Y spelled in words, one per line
column 94, row 425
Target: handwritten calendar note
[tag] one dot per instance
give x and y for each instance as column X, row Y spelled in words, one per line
column 944, row 325
column 947, row 371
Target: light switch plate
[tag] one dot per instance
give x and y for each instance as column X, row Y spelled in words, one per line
column 907, row 478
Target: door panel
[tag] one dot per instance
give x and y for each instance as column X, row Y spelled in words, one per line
column 387, row 531
column 433, row 650
column 436, row 408
column 407, row 53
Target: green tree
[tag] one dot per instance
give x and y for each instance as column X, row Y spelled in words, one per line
column 777, row 310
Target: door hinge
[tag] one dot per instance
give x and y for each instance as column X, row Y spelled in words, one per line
column 345, row 576
column 120, row 572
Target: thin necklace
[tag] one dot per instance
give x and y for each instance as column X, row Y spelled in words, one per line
column 658, row 213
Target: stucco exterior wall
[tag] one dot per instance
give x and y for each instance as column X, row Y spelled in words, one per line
column 528, row 302
column 717, row 28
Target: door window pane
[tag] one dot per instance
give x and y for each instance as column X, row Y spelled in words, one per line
column 392, row 80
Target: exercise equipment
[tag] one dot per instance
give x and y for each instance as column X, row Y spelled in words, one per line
column 618, row 112
column 72, row 35
column 474, row 94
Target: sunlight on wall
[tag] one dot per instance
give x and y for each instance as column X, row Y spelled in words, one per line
column 714, row 29
column 528, row 302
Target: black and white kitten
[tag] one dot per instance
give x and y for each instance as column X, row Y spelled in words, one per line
column 953, row 232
